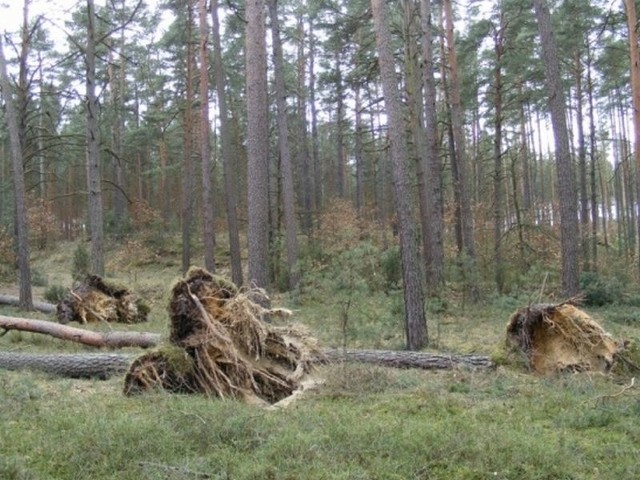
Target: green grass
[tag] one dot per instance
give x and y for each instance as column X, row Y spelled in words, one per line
column 363, row 422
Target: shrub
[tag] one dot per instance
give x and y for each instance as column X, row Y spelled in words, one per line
column 80, row 267
column 598, row 291
column 55, row 293
column 38, row 278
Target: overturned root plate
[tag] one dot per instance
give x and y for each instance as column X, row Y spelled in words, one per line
column 556, row 338
column 221, row 347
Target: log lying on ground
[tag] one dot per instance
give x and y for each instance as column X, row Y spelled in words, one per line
column 39, row 306
column 109, row 364
column 83, row 365
column 406, row 359
column 112, row 339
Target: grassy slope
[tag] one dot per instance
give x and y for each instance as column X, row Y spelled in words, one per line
column 363, row 423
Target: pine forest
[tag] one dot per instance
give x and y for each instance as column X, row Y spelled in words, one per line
column 463, row 149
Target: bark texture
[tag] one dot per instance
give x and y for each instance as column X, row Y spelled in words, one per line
column 111, row 339
column 103, row 365
column 84, row 365
column 415, row 320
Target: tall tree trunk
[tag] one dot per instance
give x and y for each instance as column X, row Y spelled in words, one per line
column 569, row 230
column 358, row 153
column 593, row 159
column 208, row 232
column 228, row 152
column 460, row 158
column 286, row 174
column 498, row 180
column 415, row 320
column 257, row 144
column 634, row 60
column 306, row 198
column 94, row 176
column 433, row 243
column 582, row 165
column 21, row 223
column 316, row 167
column 188, row 180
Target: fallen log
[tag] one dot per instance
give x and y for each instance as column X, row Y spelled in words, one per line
column 112, row 339
column 43, row 307
column 407, row 359
column 103, row 365
column 83, row 365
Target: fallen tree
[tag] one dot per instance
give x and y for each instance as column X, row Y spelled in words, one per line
column 560, row 337
column 104, row 365
column 111, row 339
column 82, row 365
column 43, row 307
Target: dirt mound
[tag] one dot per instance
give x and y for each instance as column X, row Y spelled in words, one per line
column 221, row 346
column 96, row 300
column 556, row 338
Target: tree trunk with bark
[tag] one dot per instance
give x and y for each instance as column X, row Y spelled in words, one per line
column 104, row 365
column 188, row 180
column 569, row 229
column 257, row 145
column 634, row 60
column 83, row 365
column 286, row 173
column 415, row 320
column 208, row 232
column 21, row 223
column 227, row 149
column 111, row 339
column 433, row 245
column 94, row 174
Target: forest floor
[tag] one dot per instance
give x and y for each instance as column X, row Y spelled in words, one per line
column 363, row 422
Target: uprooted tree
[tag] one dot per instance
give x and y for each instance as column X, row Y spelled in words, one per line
column 97, row 300
column 561, row 337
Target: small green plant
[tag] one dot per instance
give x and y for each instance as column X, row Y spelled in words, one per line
column 599, row 291
column 55, row 293
column 391, row 264
column 38, row 278
column 80, row 267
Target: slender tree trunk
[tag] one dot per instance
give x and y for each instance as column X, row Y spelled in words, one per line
column 593, row 159
column 257, row 144
column 460, row 157
column 208, row 232
column 359, row 154
column 569, row 229
column 21, row 223
column 286, row 173
column 415, row 321
column 304, row 158
column 188, row 180
column 498, row 180
column 582, row 165
column 94, row 175
column 316, row 168
column 634, row 60
column 228, row 152
column 433, row 246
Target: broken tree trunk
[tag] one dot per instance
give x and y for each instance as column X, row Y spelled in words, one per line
column 83, row 365
column 39, row 306
column 108, row 364
column 112, row 339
